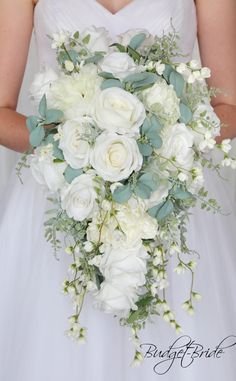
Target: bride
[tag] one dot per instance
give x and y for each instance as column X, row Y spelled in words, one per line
column 33, row 310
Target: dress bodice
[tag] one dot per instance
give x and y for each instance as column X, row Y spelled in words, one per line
column 153, row 15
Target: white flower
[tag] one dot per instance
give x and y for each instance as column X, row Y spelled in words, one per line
column 69, row 65
column 177, row 146
column 160, row 67
column 181, row 68
column 129, row 213
column 226, row 146
column 59, row 39
column 116, row 110
column 125, row 38
column 195, row 65
column 229, row 162
column 79, row 198
column 206, row 122
column 124, row 270
column 42, row 83
column 159, row 195
column 162, row 100
column 45, row 170
column 119, row 64
column 99, row 40
column 196, row 182
column 205, row 72
column 115, row 157
column 207, row 143
column 74, row 142
column 112, row 298
column 75, row 94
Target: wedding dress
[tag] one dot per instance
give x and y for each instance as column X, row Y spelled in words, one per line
column 34, row 311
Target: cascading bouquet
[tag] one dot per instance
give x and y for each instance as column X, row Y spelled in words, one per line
column 121, row 140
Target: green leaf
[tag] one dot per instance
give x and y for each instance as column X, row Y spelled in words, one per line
column 142, row 190
column 94, row 59
column 161, row 211
column 62, row 57
column 53, row 116
column 149, row 81
column 168, row 70
column 177, row 80
column 86, row 39
column 135, row 55
column 145, row 300
column 180, row 194
column 137, row 77
column 76, row 35
column 165, row 210
column 74, row 55
column 137, row 40
column 106, row 75
column 145, row 127
column 122, row 193
column 32, row 122
column 107, row 83
column 43, row 106
column 37, row 136
column 139, row 314
column 120, row 47
column 70, row 174
column 57, row 152
column 155, row 123
column 157, row 142
column 149, row 179
column 186, row 113
column 145, row 149
column 50, row 139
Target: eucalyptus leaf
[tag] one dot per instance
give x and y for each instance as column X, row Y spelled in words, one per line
column 136, row 77
column 168, row 70
column 165, row 210
column 32, row 122
column 142, row 190
column 74, row 55
column 186, row 113
column 106, row 75
column 43, row 106
column 70, row 174
column 50, row 139
column 177, row 80
column 180, row 194
column 37, row 136
column 107, row 83
column 94, row 59
column 122, row 193
column 157, row 142
column 149, row 81
column 137, row 40
column 145, row 149
column 149, row 179
column 155, row 123
column 145, row 127
column 53, row 116
column 57, row 152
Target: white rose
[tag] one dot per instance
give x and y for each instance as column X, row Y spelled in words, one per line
column 42, row 83
column 79, row 198
column 159, row 195
column 116, row 110
column 111, row 298
column 162, row 100
column 125, row 260
column 99, row 39
column 177, row 146
column 127, row 216
column 74, row 142
column 119, row 64
column 115, row 157
column 45, row 171
column 125, row 38
column 75, row 94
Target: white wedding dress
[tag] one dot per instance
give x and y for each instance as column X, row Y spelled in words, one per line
column 34, row 311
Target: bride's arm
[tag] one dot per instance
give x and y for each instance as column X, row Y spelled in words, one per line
column 217, row 41
column 16, row 23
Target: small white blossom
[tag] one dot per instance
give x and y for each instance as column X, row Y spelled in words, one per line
column 160, row 67
column 59, row 39
column 225, row 145
column 69, row 65
column 205, row 72
column 195, row 65
column 181, row 68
